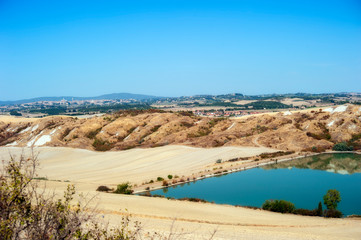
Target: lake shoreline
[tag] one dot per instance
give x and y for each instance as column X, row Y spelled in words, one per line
column 311, row 176
column 240, row 169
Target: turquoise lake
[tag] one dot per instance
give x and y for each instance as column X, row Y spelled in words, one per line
column 303, row 181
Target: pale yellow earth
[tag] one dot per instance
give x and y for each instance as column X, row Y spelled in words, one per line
column 88, row 169
column 177, row 108
column 15, row 119
column 9, row 119
column 199, row 220
column 308, row 110
column 91, row 169
column 298, row 102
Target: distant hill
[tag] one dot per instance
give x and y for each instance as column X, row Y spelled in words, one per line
column 112, row 96
column 124, row 96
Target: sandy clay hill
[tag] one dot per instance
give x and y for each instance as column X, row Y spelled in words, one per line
column 316, row 130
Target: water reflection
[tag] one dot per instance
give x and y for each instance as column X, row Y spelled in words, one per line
column 342, row 163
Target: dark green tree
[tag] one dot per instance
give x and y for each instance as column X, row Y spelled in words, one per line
column 15, row 113
column 332, row 198
column 319, row 209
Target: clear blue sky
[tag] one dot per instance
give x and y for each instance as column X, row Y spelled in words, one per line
column 175, row 48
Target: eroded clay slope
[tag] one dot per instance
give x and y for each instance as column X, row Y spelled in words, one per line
column 296, row 131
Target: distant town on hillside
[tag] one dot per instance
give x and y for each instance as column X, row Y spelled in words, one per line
column 226, row 105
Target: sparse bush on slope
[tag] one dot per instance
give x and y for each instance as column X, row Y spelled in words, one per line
column 26, row 213
column 124, row 188
column 342, row 147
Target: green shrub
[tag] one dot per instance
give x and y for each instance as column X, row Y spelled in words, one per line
column 103, row 189
column 160, row 179
column 124, row 188
column 170, row 176
column 306, row 212
column 332, row 213
column 193, row 199
column 281, row 206
column 342, row 147
column 275, row 154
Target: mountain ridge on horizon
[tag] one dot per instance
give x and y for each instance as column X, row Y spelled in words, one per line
column 128, row 96
column 111, row 96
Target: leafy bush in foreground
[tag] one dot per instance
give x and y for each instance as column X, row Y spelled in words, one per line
column 27, row 213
